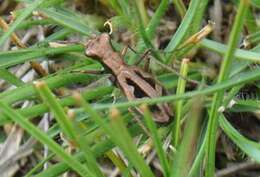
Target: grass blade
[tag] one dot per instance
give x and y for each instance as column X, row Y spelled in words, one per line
column 156, row 141
column 23, row 55
column 151, row 27
column 72, row 22
column 43, row 138
column 28, row 90
column 183, row 28
column 67, row 127
column 218, row 97
column 10, row 77
column 180, row 7
column 58, row 111
column 179, row 104
column 222, row 49
column 25, row 13
column 252, row 149
column 241, row 78
column 119, row 134
column 186, row 151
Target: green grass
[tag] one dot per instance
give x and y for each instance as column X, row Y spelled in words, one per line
column 223, row 75
column 96, row 123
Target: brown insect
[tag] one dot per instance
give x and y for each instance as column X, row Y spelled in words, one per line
column 134, row 82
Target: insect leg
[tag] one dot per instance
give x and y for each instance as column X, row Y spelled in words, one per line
column 144, row 56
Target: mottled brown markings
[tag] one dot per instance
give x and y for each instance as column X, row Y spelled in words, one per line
column 134, row 82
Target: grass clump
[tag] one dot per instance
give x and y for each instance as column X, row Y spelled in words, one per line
column 61, row 113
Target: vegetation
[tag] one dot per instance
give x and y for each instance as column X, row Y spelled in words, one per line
column 61, row 113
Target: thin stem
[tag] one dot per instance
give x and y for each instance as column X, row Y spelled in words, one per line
column 180, row 7
column 179, row 105
column 218, row 97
